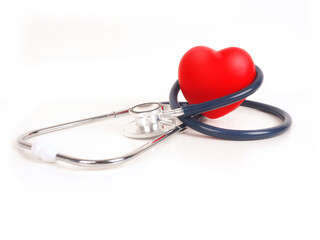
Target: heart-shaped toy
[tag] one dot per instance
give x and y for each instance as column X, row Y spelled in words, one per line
column 206, row 74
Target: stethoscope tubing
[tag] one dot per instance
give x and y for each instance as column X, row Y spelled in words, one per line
column 230, row 134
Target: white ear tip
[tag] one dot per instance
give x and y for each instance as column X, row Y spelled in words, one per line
column 44, row 151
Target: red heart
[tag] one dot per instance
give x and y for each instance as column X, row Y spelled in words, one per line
column 206, row 74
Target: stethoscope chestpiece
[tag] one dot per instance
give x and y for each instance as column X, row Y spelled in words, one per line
column 149, row 121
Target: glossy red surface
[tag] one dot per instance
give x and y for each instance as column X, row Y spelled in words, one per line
column 206, row 74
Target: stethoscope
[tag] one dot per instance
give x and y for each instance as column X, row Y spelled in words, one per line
column 153, row 120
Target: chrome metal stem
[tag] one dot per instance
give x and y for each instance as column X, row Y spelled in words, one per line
column 172, row 113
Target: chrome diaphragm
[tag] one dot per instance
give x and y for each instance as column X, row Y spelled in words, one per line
column 150, row 120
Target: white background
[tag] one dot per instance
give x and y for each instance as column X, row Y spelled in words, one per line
column 65, row 60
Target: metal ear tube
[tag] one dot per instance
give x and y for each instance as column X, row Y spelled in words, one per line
column 49, row 153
